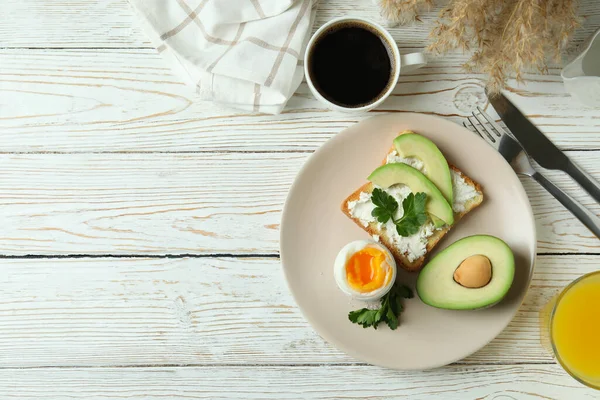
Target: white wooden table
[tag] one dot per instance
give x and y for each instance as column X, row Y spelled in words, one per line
column 139, row 227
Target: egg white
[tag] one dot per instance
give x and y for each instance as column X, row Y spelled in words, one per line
column 339, row 270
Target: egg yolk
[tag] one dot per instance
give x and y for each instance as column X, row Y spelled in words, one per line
column 368, row 270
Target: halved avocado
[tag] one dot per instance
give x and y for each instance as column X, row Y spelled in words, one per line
column 395, row 173
column 436, row 166
column 468, row 260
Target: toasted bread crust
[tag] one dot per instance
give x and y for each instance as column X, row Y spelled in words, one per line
column 401, row 259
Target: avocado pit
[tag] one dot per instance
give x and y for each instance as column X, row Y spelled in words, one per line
column 474, row 272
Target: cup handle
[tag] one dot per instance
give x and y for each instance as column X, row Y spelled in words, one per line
column 412, row 61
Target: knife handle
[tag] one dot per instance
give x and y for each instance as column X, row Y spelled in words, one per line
column 588, row 218
column 584, row 179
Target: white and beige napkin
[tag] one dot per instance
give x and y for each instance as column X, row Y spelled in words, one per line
column 246, row 54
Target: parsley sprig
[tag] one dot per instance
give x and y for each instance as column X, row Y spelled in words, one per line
column 391, row 307
column 414, row 211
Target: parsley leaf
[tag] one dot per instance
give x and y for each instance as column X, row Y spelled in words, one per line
column 404, row 291
column 365, row 317
column 391, row 319
column 414, row 211
column 385, row 205
column 388, row 312
column 414, row 214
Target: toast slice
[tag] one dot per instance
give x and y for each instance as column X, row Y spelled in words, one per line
column 402, row 259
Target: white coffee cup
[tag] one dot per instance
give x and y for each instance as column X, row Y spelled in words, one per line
column 401, row 63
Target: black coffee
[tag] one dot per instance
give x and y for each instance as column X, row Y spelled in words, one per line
column 350, row 65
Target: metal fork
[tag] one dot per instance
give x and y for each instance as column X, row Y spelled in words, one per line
column 511, row 150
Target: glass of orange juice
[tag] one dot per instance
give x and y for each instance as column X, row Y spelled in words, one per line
column 575, row 329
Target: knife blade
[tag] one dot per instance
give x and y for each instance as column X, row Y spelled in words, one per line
column 539, row 147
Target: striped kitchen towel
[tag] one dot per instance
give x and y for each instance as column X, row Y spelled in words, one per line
column 246, row 54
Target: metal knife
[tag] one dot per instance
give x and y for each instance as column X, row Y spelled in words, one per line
column 539, row 147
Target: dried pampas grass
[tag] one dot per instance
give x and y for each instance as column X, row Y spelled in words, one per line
column 396, row 12
column 508, row 37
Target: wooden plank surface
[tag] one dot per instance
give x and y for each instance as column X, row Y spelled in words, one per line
column 525, row 382
column 193, row 203
column 128, row 100
column 60, row 24
column 112, row 23
column 79, row 78
column 201, row 311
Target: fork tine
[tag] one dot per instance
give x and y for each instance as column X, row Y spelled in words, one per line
column 484, row 128
column 493, row 123
column 472, row 129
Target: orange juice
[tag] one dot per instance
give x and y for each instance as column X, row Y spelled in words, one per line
column 575, row 329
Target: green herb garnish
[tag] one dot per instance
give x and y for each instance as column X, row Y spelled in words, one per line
column 391, row 307
column 414, row 211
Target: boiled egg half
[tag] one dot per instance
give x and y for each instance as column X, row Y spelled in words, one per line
column 365, row 270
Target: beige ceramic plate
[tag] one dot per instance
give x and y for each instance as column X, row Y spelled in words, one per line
column 314, row 230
